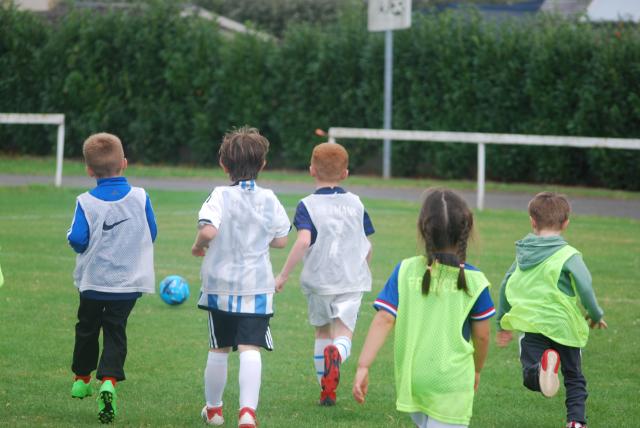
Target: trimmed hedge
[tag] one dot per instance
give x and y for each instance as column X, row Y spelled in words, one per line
column 170, row 87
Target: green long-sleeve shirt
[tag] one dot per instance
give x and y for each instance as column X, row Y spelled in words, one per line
column 531, row 251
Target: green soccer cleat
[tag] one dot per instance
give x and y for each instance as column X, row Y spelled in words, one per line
column 81, row 389
column 107, row 402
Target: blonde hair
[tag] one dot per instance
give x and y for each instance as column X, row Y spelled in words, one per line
column 103, row 153
column 243, row 152
column 330, row 160
column 549, row 210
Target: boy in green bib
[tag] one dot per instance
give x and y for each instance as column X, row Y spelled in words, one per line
column 538, row 297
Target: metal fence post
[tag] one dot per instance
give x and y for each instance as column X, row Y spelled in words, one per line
column 481, row 174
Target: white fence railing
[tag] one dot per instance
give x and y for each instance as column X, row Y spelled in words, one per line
column 481, row 140
column 41, row 119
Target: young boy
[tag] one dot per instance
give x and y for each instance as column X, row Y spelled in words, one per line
column 237, row 225
column 113, row 231
column 538, row 297
column 332, row 238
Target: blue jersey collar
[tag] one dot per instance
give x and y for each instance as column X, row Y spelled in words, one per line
column 112, row 181
column 329, row 190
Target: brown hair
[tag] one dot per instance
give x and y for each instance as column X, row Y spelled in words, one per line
column 445, row 221
column 243, row 152
column 329, row 160
column 549, row 210
column 103, row 153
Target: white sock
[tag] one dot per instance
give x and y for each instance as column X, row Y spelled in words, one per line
column 249, row 378
column 318, row 356
column 215, row 378
column 343, row 343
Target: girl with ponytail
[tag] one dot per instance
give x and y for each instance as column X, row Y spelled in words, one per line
column 439, row 307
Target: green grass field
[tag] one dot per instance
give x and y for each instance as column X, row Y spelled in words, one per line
column 168, row 345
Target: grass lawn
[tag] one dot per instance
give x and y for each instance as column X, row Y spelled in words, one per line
column 28, row 165
column 168, row 345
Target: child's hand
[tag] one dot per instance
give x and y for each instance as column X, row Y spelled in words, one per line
column 476, row 383
column 280, row 281
column 503, row 337
column 361, row 384
column 597, row 325
column 198, row 251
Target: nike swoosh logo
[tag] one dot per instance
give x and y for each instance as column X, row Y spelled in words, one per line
column 106, row 226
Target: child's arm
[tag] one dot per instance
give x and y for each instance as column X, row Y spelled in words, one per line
column 78, row 233
column 151, row 219
column 380, row 327
column 205, row 235
column 279, row 242
column 370, row 253
column 503, row 337
column 480, row 333
column 303, row 241
column 582, row 279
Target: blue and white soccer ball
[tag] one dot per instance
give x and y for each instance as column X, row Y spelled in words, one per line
column 174, row 290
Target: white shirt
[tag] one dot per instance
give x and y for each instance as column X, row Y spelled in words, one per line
column 237, row 262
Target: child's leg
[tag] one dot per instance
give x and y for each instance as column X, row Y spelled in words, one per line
column 532, row 346
column 252, row 334
column 344, row 310
column 86, row 348
column 323, row 339
column 341, row 335
column 249, row 376
column 114, row 325
column 215, row 376
column 574, row 383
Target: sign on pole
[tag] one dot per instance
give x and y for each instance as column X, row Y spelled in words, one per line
column 388, row 15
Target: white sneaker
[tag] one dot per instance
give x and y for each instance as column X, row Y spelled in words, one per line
column 212, row 415
column 247, row 418
column 549, row 364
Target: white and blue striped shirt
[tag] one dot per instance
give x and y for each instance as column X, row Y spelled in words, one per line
column 237, row 276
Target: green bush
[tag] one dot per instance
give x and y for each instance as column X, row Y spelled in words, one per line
column 171, row 86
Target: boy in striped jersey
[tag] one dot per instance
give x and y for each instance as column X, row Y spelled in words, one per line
column 237, row 225
column 332, row 238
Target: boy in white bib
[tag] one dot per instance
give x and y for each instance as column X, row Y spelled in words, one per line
column 332, row 240
column 113, row 231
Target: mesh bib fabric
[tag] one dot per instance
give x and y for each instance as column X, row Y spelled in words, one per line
column 434, row 366
column 538, row 305
column 337, row 261
column 119, row 258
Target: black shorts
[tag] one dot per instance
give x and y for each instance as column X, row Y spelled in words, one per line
column 232, row 330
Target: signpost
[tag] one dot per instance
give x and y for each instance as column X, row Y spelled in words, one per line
column 388, row 15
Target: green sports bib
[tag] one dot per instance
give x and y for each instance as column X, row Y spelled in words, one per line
column 434, row 366
column 538, row 306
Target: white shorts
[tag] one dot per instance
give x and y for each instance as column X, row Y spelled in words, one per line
column 425, row 421
column 325, row 308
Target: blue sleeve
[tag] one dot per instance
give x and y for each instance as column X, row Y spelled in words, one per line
column 302, row 219
column 483, row 308
column 78, row 234
column 368, row 226
column 388, row 298
column 151, row 219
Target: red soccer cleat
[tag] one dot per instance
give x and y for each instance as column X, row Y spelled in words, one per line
column 331, row 376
